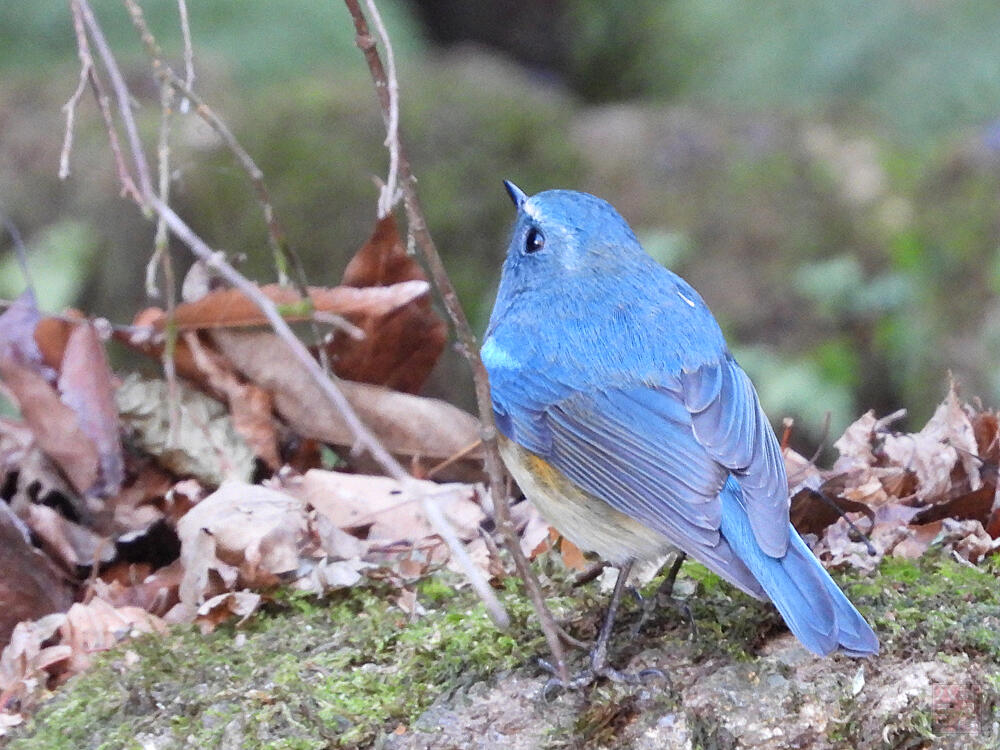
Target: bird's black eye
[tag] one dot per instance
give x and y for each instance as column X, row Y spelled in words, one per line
column 534, row 241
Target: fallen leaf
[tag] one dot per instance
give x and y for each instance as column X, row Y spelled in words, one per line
column 811, row 511
column 855, row 445
column 249, row 404
column 230, row 308
column 25, row 661
column 85, row 385
column 399, row 348
column 17, row 332
column 405, row 424
column 224, row 607
column 248, row 534
column 384, row 507
column 30, row 585
column 54, row 424
column 204, row 444
column 97, row 626
column 931, row 454
column 72, row 544
column 156, row 593
column 572, row 556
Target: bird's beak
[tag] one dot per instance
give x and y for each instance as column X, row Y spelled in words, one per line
column 516, row 194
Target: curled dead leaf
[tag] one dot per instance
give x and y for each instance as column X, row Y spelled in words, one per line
column 247, row 535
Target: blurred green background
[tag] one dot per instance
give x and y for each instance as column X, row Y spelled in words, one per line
column 826, row 174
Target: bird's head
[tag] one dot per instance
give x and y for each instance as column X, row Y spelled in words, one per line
column 564, row 233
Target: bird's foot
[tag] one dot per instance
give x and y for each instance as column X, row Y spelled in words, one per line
column 592, row 674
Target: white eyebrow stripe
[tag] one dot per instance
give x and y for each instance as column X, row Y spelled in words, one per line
column 689, row 301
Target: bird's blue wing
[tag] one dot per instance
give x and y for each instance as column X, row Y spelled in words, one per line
column 635, row 449
column 730, row 424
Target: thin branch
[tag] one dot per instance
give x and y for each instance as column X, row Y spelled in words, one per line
column 124, row 101
column 467, row 341
column 389, row 194
column 182, row 11
column 283, row 254
column 129, row 188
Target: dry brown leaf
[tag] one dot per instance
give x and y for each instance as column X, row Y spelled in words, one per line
column 380, row 505
column 223, row 607
column 855, row 445
column 52, row 336
column 97, row 626
column 405, row 424
column 230, row 308
column 54, row 424
column 72, row 544
column 572, row 556
column 25, row 661
column 30, row 586
column 811, row 511
column 400, row 348
column 246, row 534
column 157, row 592
column 86, row 386
column 249, row 404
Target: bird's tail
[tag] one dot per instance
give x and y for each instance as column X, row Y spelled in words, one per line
column 813, row 606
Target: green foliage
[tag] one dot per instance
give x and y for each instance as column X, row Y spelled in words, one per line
column 920, row 70
column 57, row 261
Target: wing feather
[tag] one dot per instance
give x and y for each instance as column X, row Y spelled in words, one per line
column 729, row 422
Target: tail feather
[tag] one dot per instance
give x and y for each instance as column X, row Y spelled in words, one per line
column 812, row 605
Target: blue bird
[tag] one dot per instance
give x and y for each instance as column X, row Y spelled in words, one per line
column 625, row 419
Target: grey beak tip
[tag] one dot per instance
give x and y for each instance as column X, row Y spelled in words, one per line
column 516, row 194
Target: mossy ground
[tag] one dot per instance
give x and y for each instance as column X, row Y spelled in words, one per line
column 345, row 670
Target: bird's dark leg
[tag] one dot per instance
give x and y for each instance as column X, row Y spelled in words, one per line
column 599, row 656
column 666, row 591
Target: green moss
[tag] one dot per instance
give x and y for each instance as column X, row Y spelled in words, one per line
column 933, row 605
column 306, row 673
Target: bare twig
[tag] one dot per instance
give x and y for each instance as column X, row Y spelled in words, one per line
column 124, row 102
column 467, row 341
column 149, row 200
column 389, row 195
column 287, row 263
column 103, row 104
column 182, row 10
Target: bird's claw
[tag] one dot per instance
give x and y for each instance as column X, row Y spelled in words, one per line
column 591, row 674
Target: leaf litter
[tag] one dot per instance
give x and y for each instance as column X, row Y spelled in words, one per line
column 131, row 503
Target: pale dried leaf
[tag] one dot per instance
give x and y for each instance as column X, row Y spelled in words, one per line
column 855, row 445
column 382, row 505
column 405, row 424
column 24, row 661
column 73, row 544
column 98, row 626
column 256, row 531
column 224, row 607
column 250, row 405
column 207, row 445
column 323, row 576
